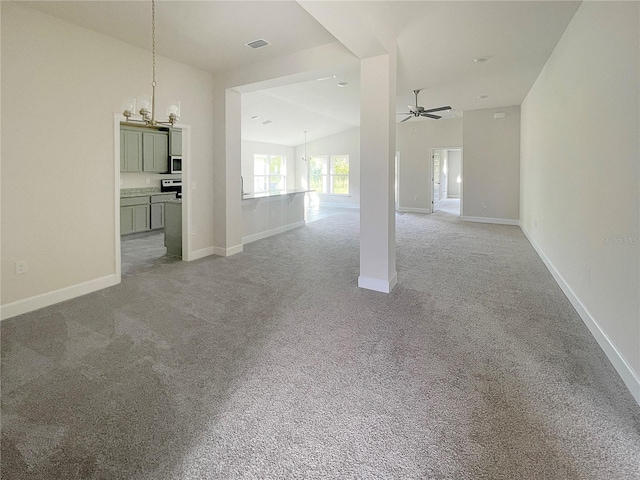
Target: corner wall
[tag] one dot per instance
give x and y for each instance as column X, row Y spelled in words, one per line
column 491, row 165
column 61, row 86
column 580, row 175
column 414, row 141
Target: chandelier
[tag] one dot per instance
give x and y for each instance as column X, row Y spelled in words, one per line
column 147, row 103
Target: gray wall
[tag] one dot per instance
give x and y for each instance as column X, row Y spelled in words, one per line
column 580, row 138
column 455, row 168
column 414, row 141
column 491, row 164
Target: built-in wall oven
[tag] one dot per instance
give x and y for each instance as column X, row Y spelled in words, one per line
column 172, row 185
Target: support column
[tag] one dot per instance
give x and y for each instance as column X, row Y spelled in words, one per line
column 227, row 186
column 377, row 172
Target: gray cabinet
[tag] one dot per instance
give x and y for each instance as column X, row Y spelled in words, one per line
column 134, row 219
column 130, row 150
column 155, row 152
column 142, row 213
column 157, row 215
column 173, row 229
column 175, row 142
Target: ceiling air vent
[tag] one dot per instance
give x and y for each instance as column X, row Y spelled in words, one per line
column 257, row 43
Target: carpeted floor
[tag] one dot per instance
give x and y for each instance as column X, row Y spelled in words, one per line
column 272, row 364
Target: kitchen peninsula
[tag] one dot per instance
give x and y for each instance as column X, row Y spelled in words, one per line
column 271, row 213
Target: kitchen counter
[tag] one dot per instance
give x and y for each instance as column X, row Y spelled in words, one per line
column 139, row 192
column 279, row 193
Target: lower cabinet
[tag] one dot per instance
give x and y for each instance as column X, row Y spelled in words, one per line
column 141, row 214
column 157, row 215
column 134, row 219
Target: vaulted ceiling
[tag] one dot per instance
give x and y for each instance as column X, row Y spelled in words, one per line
column 437, row 42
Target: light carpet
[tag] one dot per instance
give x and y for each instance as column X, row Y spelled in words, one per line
column 272, row 364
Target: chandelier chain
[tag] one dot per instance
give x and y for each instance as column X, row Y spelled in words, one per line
column 153, row 39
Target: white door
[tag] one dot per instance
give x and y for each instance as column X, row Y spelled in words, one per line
column 436, row 157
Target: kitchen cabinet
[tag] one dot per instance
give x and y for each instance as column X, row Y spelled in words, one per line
column 173, row 228
column 155, row 151
column 134, row 219
column 142, row 213
column 134, row 215
column 175, row 142
column 130, row 150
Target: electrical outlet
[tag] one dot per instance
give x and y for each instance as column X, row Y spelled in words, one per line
column 484, row 205
column 193, row 185
column 147, row 180
column 21, row 267
column 193, row 231
column 415, row 198
column 535, row 223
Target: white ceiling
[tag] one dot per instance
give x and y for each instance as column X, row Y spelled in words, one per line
column 437, row 43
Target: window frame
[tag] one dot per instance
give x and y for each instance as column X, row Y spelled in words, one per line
column 267, row 176
column 328, row 174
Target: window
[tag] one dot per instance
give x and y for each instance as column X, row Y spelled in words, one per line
column 269, row 173
column 329, row 174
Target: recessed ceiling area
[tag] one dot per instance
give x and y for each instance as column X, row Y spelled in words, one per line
column 467, row 54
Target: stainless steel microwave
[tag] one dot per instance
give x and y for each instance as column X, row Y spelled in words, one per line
column 176, row 164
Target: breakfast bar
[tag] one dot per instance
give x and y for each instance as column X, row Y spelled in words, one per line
column 271, row 213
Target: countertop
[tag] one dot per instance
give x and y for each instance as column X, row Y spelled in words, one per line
column 142, row 192
column 279, row 193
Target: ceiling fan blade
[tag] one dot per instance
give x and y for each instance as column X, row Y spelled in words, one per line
column 439, row 109
column 430, row 116
column 410, row 116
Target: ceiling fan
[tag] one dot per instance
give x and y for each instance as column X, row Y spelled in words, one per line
column 417, row 111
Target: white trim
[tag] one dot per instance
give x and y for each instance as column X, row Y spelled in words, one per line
column 187, row 254
column 355, row 206
column 498, row 221
column 377, row 284
column 273, row 231
column 624, row 369
column 56, row 296
column 227, row 252
column 414, row 210
column 117, row 117
column 203, row 252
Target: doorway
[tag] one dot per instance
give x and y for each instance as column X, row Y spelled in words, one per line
column 139, row 251
column 446, row 180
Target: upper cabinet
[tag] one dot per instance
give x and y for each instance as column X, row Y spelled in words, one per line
column 144, row 150
column 155, row 152
column 130, row 150
column 175, row 142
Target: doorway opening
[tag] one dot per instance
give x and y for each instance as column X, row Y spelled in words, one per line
column 142, row 199
column 446, row 180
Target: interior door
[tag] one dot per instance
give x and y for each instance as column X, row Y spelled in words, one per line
column 436, row 157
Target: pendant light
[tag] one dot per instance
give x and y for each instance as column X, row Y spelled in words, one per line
column 147, row 103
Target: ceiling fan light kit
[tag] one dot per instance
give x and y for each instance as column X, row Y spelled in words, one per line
column 416, row 111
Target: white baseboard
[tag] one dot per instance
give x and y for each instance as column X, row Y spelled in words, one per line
column 377, row 284
column 355, row 206
column 498, row 221
column 453, row 196
column 273, row 231
column 413, row 210
column 50, row 298
column 624, row 369
column 227, row 252
column 203, row 252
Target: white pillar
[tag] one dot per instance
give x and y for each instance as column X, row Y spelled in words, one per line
column 227, row 221
column 377, row 152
